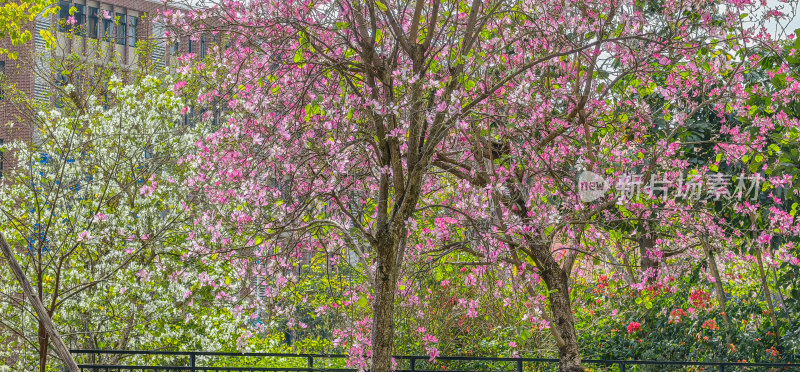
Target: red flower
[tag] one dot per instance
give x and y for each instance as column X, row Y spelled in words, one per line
column 699, row 298
column 634, row 326
column 710, row 324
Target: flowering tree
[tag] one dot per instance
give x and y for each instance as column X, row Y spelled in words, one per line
column 350, row 121
column 96, row 196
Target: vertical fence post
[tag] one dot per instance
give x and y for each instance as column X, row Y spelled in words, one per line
column 721, row 367
column 192, row 362
column 413, row 361
column 519, row 365
column 622, row 367
column 310, row 363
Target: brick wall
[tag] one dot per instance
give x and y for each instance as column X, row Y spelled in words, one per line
column 16, row 72
column 20, row 72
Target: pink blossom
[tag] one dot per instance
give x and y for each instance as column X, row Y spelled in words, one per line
column 179, row 85
column 84, row 236
column 433, row 353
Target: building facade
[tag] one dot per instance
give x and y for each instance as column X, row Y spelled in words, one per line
column 91, row 29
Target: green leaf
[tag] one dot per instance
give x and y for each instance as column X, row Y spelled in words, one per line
column 381, row 6
column 469, row 85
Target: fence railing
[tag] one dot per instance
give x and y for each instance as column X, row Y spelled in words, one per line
column 162, row 361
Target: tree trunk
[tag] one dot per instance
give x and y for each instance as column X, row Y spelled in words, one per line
column 569, row 355
column 768, row 295
column 718, row 290
column 42, row 348
column 647, row 241
column 383, row 306
column 41, row 313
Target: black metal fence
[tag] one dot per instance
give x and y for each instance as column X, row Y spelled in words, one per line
column 162, row 361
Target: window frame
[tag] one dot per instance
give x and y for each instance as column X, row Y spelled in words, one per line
column 80, row 19
column 133, row 30
column 63, row 14
column 122, row 29
column 2, row 159
column 109, row 31
column 93, row 23
column 2, row 77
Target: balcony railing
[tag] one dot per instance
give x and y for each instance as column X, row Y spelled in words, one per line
column 162, row 361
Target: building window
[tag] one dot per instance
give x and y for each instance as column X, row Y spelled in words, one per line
column 202, row 46
column 2, row 159
column 175, row 47
column 2, row 80
column 74, row 22
column 191, row 46
column 133, row 22
column 63, row 16
column 189, row 118
column 93, row 27
column 108, row 29
column 122, row 29
column 61, row 81
column 80, row 19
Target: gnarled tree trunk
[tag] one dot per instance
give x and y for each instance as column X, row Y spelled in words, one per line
column 647, row 265
column 569, row 355
column 563, row 321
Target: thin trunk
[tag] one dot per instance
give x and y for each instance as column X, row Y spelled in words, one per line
column 383, row 306
column 625, row 268
column 42, row 348
column 778, row 289
column 718, row 290
column 767, row 295
column 41, row 313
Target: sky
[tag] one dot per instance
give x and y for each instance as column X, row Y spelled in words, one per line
column 790, row 7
